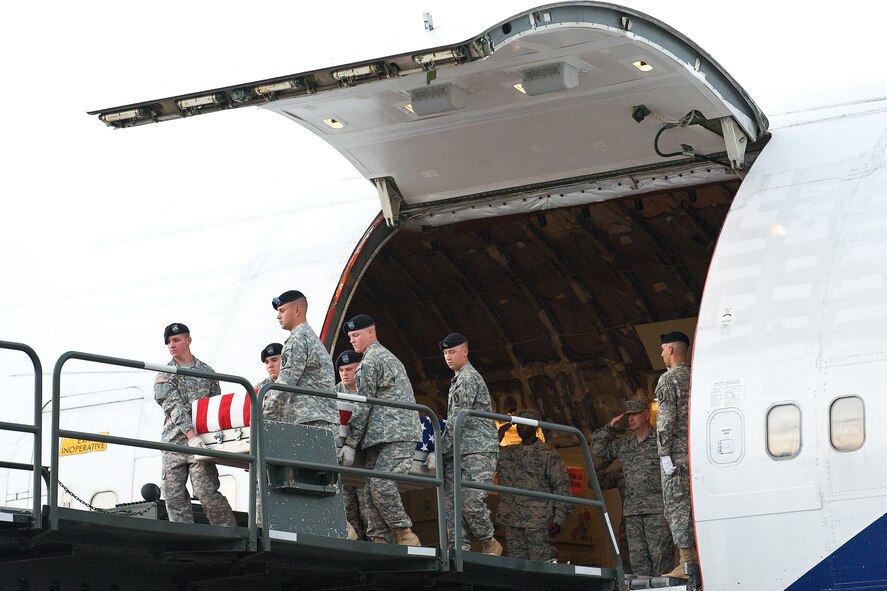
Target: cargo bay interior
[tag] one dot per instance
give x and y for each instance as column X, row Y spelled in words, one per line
column 561, row 309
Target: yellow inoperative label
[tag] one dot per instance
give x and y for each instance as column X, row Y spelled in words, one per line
column 71, row 447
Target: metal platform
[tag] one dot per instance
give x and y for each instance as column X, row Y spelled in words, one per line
column 92, row 550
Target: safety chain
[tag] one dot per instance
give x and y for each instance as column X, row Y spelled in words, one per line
column 106, row 511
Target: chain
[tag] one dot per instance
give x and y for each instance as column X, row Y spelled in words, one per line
column 106, row 511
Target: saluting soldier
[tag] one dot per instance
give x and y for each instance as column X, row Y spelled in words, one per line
column 271, row 358
column 672, row 433
column 174, row 393
column 530, row 524
column 479, row 447
column 649, row 538
column 387, row 435
column 303, row 362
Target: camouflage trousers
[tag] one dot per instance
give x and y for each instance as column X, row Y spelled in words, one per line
column 650, row 544
column 384, row 507
column 205, row 482
column 480, row 467
column 529, row 543
column 355, row 509
column 678, row 512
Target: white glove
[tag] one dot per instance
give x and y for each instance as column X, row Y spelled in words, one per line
column 196, row 441
column 346, row 455
column 431, row 461
column 667, row 466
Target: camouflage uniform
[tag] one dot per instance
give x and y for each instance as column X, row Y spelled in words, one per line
column 353, row 495
column 267, row 380
column 387, row 435
column 174, row 393
column 608, row 479
column 535, row 467
column 304, row 362
column 673, row 393
column 479, row 451
column 649, row 538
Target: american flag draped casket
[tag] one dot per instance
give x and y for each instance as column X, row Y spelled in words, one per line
column 222, row 423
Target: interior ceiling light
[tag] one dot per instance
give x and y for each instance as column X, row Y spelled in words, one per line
column 334, row 123
column 439, row 98
column 550, row 78
column 437, row 56
column 356, row 72
column 520, row 88
column 124, row 115
column 199, row 101
column 276, row 87
column 409, row 107
column 642, row 66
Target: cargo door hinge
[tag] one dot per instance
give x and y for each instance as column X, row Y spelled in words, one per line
column 390, row 198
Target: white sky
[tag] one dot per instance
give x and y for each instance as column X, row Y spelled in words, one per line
column 106, row 236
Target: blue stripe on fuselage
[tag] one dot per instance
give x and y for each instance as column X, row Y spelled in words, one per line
column 860, row 564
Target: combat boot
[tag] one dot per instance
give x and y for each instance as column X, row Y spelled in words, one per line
column 491, row 546
column 404, row 536
column 688, row 556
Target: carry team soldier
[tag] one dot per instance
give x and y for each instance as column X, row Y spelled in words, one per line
column 387, row 435
column 347, row 363
column 673, row 393
column 649, row 538
column 303, row 362
column 174, row 393
column 530, row 524
column 271, row 358
column 479, row 447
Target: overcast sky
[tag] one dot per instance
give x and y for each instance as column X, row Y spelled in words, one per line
column 91, row 213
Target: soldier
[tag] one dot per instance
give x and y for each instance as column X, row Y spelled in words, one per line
column 649, row 538
column 387, row 435
column 174, row 393
column 609, row 479
column 673, row 393
column 532, row 523
column 271, row 358
column 479, row 450
column 347, row 363
column 303, row 362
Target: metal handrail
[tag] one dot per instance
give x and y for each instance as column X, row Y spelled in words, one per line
column 458, row 483
column 36, row 429
column 437, row 480
column 57, row 432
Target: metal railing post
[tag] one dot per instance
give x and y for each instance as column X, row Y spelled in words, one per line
column 458, row 483
column 36, row 429
column 56, row 432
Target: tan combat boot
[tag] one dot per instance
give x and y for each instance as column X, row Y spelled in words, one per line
column 404, row 536
column 491, row 546
column 352, row 533
column 688, row 556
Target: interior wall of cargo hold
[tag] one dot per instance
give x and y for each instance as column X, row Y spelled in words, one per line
column 562, row 308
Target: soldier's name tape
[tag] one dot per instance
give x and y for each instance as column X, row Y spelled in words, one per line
column 525, row 421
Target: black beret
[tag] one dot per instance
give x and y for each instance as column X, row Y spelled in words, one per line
column 674, row 337
column 287, row 296
column 270, row 350
column 174, row 329
column 452, row 340
column 359, row 322
column 347, row 358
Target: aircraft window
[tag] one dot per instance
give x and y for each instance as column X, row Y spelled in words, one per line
column 847, row 423
column 106, row 499
column 784, row 431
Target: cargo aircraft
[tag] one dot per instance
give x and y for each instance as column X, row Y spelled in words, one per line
column 563, row 186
